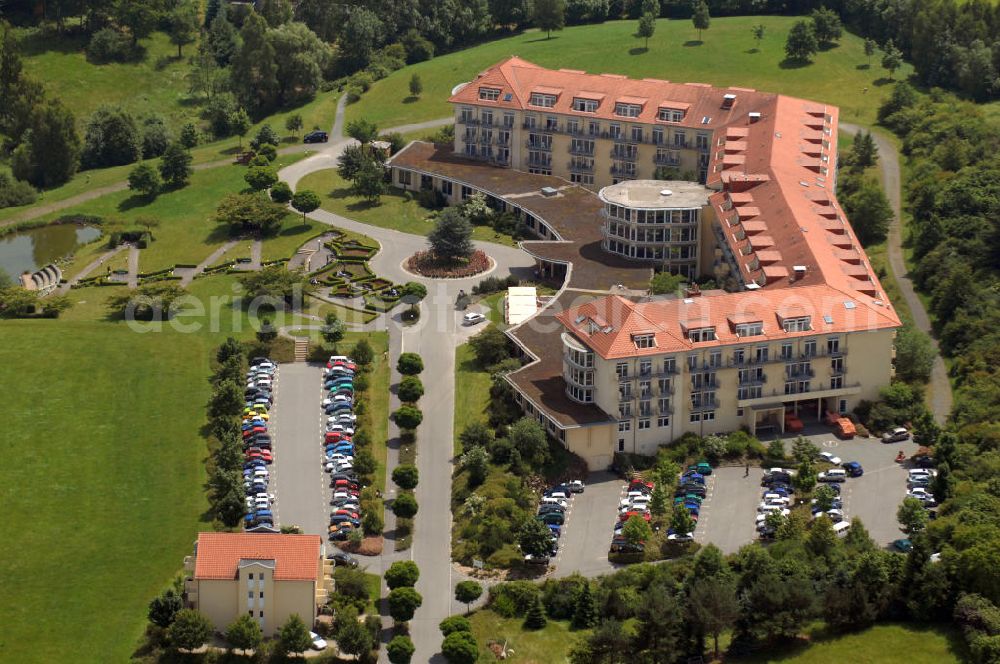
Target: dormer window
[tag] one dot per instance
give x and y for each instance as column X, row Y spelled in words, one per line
column 644, row 341
column 667, row 114
column 627, row 110
column 799, row 324
column 699, row 334
column 749, row 329
column 489, row 94
column 543, row 100
column 585, row 105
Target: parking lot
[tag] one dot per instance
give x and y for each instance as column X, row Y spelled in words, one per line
column 301, row 484
column 590, row 519
column 727, row 514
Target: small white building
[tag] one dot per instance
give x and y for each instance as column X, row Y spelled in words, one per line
column 522, row 303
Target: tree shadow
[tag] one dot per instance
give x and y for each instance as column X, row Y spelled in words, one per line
column 38, row 42
column 863, row 67
column 751, row 51
column 541, row 39
column 794, row 63
column 290, row 139
column 879, row 82
column 135, row 201
column 828, row 46
column 639, row 50
column 189, row 101
column 411, row 99
column 692, row 42
column 231, row 150
column 165, row 61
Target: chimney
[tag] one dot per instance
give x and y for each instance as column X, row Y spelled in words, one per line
column 728, row 100
column 798, row 271
column 692, row 291
column 754, row 116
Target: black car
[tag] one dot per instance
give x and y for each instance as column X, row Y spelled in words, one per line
column 341, row 559
column 549, row 507
column 697, row 489
column 316, row 137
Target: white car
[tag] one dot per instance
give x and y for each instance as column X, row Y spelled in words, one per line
column 761, row 518
column 334, row 359
column 473, row 318
column 678, row 537
column 773, row 499
column 922, row 472
column 638, row 500
column 829, row 457
column 639, row 507
column 318, row 642
column 920, row 493
column 576, row 486
column 555, row 501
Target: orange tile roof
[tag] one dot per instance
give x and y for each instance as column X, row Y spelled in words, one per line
column 296, row 557
column 518, row 78
column 669, row 318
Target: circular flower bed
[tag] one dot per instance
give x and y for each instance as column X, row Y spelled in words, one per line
column 427, row 264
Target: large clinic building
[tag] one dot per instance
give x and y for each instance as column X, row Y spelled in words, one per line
column 613, row 178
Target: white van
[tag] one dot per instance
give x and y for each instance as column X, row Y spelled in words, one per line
column 841, row 529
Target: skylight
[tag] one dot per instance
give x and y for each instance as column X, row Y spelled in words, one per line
column 849, row 304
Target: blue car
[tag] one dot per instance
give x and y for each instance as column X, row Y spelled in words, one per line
column 336, row 406
column 693, row 477
column 346, row 451
column 853, row 468
column 692, row 507
column 555, row 530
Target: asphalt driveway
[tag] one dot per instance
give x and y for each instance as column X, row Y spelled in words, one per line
column 300, row 483
column 590, row 522
column 728, row 513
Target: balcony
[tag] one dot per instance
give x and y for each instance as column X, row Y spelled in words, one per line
column 489, row 159
column 537, row 145
column 801, row 374
column 568, row 377
column 582, row 152
column 706, row 405
column 625, row 155
column 540, row 162
column 581, row 167
column 819, row 390
column 666, row 160
column 753, row 381
column 501, row 140
column 624, row 172
column 470, row 121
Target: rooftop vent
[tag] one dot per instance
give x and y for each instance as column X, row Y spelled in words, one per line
column 754, row 116
column 799, row 271
column 753, row 286
column 728, row 100
column 688, row 300
column 666, row 192
column 549, row 191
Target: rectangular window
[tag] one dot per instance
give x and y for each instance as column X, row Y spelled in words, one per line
column 594, row 128
column 573, row 127
column 680, row 139
column 621, row 444
column 585, row 105
column 715, row 358
column 786, row 351
column 622, row 370
column 543, row 100
column 809, row 348
column 446, row 187
column 645, row 389
column 836, row 382
column 669, row 365
column 842, row 406
column 664, row 405
column 692, row 362
column 644, row 341
column 837, row 365
column 695, row 417
column 489, row 94
column 466, row 192
column 637, row 134
column 625, row 409
column 702, row 334
column 486, row 117
column 801, row 324
column 833, row 345
column 708, row 415
column 658, row 136
column 508, row 120
column 749, row 329
column 643, row 424
column 627, row 110
column 739, row 412
column 624, row 425
column 739, row 356
column 615, row 130
column 667, row 114
column 250, row 576
column 624, row 391
column 581, row 178
column 645, row 367
column 663, row 421
column 260, row 614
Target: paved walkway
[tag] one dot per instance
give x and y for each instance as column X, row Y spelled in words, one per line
column 187, row 275
column 939, row 388
column 82, row 274
column 133, row 267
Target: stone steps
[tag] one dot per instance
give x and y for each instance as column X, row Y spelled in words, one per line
column 301, row 349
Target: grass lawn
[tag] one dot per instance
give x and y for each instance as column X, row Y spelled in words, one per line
column 475, row 384
column 106, row 495
column 545, row 646
column 883, row 644
column 186, row 231
column 394, row 211
column 727, row 57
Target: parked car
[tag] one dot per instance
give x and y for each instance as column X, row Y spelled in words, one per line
column 833, row 475
column 897, row 435
column 830, row 457
column 473, row 318
column 853, row 469
column 316, row 137
column 902, row 545
column 536, row 560
column 702, row 467
column 576, row 486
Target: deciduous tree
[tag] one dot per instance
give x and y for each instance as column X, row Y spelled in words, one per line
column 549, row 15
column 801, row 43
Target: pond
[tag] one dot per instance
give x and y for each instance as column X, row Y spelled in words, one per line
column 31, row 249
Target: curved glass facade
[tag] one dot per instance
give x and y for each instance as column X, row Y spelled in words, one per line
column 668, row 236
column 578, row 370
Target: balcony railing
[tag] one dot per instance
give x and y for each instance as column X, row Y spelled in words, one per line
column 468, row 121
column 753, row 381
column 536, row 161
column 800, row 374
column 625, row 155
column 583, row 152
column 618, row 170
column 579, row 167
column 536, row 145
column 817, row 390
column 666, row 160
column 706, row 405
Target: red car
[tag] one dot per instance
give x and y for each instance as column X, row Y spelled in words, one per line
column 257, row 453
column 346, row 485
column 347, row 513
column 249, row 433
column 336, row 437
column 629, row 515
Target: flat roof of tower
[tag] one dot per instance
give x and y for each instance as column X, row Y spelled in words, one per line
column 657, row 194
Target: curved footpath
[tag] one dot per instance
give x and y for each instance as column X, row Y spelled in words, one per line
column 939, row 386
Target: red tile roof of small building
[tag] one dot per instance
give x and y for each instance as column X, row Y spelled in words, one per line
column 296, row 557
